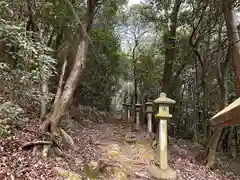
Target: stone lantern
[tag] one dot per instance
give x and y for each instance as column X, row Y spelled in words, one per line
column 124, row 111
column 138, row 109
column 128, row 107
column 164, row 171
column 149, row 111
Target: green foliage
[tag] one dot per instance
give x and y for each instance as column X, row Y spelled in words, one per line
column 30, row 53
column 10, row 110
column 28, row 64
column 100, row 78
column 4, row 130
column 9, row 114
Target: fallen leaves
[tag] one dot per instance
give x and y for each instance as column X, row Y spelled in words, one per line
column 94, row 142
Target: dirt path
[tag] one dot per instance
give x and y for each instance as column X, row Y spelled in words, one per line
column 180, row 156
column 134, row 159
column 94, row 142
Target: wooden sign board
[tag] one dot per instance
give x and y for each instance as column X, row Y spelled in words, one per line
column 229, row 116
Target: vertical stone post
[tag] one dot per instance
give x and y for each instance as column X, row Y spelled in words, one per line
column 164, row 171
column 128, row 107
column 149, row 111
column 138, row 109
column 124, row 111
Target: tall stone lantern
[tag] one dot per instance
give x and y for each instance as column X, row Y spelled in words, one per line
column 137, row 112
column 149, row 112
column 128, row 107
column 163, row 171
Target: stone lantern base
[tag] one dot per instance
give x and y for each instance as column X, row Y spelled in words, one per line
column 167, row 174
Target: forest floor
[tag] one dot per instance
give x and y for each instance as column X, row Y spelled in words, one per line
column 94, row 141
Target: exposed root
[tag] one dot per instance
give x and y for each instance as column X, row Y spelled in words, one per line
column 34, row 150
column 109, row 139
column 141, row 175
column 107, row 162
column 46, row 125
column 66, row 137
column 52, row 143
column 30, row 145
column 133, row 162
column 46, row 149
column 60, row 153
column 67, row 174
column 201, row 157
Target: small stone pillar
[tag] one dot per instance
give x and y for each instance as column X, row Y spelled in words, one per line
column 138, row 109
column 149, row 111
column 164, row 171
column 124, row 111
column 128, row 107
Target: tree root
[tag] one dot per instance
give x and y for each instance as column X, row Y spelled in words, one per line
column 66, row 137
column 109, row 161
column 30, row 145
column 109, row 139
column 68, row 157
column 51, row 145
column 67, row 174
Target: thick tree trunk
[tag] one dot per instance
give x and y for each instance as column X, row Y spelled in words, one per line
column 222, row 80
column 195, row 104
column 59, row 89
column 213, row 148
column 170, row 34
column 77, row 69
column 234, row 39
column 222, row 73
column 71, row 84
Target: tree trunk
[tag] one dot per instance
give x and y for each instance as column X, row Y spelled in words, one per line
column 224, row 101
column 232, row 143
column 237, row 140
column 204, row 105
column 44, row 102
column 170, row 34
column 32, row 23
column 195, row 104
column 222, row 81
column 78, row 67
column 70, row 86
column 234, row 39
column 59, row 89
column 213, row 148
